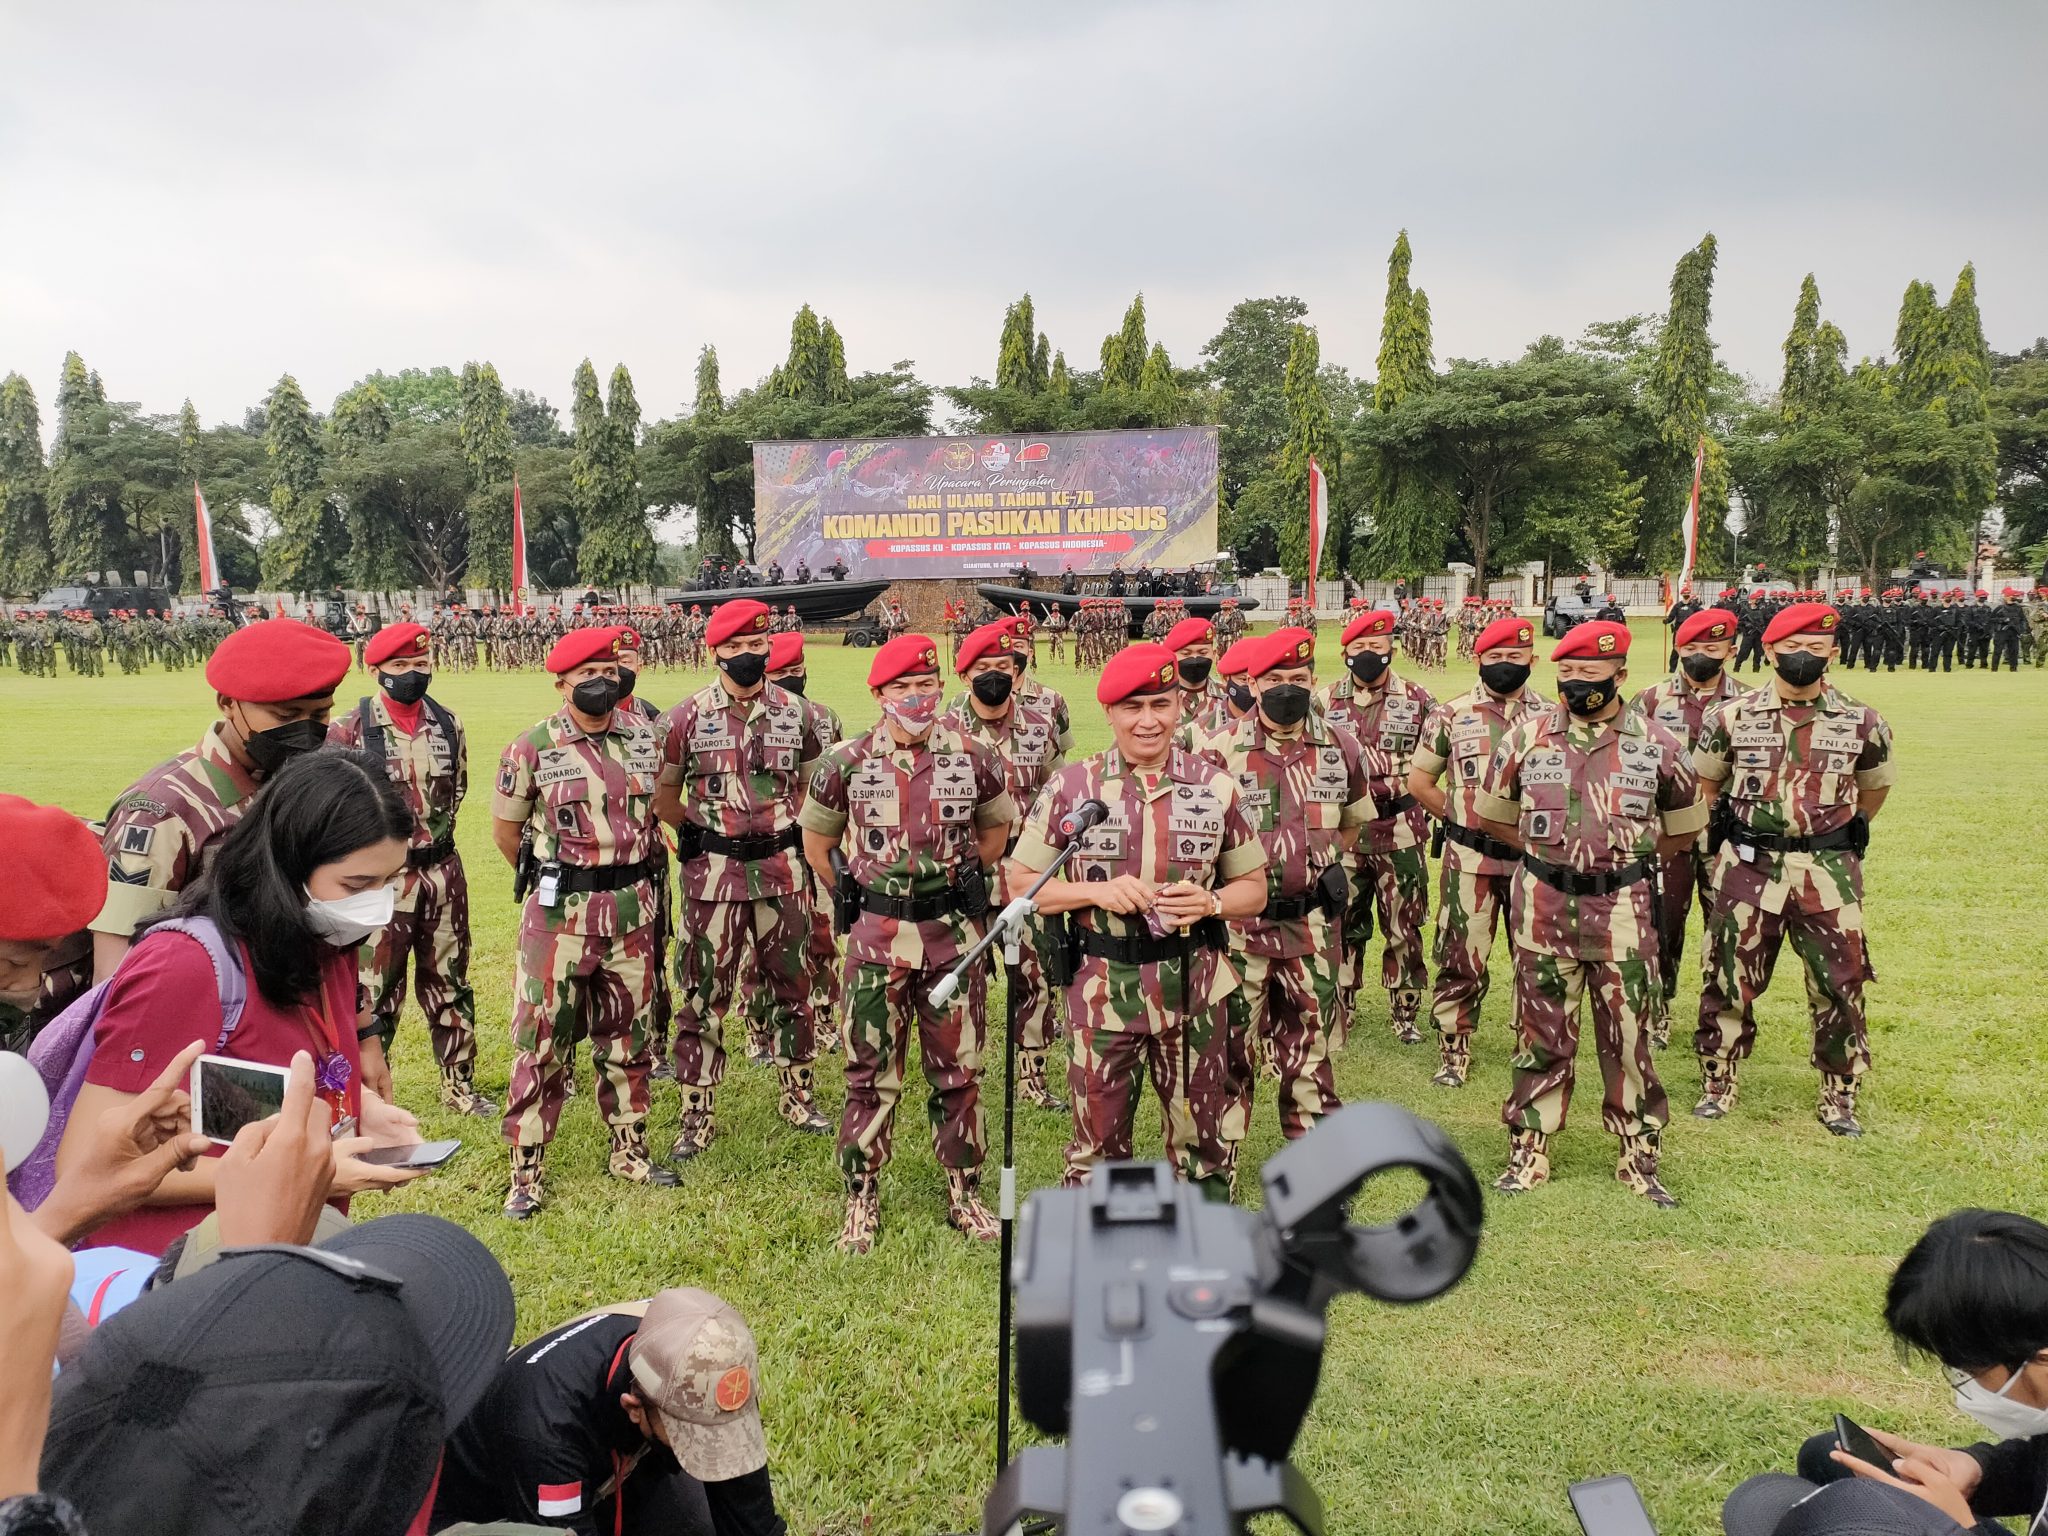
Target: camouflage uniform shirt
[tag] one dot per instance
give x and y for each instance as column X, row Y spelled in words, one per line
column 1681, row 708
column 1591, row 799
column 430, row 771
column 164, row 828
column 1460, row 734
column 1388, row 725
column 740, row 764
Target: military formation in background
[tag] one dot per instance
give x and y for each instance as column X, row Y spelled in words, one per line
column 1917, row 628
column 1213, row 930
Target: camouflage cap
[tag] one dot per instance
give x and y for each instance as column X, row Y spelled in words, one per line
column 694, row 1359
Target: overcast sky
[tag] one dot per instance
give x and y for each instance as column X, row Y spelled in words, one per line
column 201, row 196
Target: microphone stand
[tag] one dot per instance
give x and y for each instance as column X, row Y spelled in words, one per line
column 1008, row 928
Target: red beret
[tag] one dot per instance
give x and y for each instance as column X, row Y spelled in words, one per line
column 57, row 879
column 1288, row 646
column 1377, row 622
column 1234, row 660
column 1190, row 632
column 1597, row 639
column 1802, row 619
column 905, row 656
column 629, row 638
column 1136, row 670
column 581, row 645
column 1707, row 624
column 405, row 641
column 1512, row 630
column 988, row 640
column 786, row 650
column 276, row 660
column 741, row 616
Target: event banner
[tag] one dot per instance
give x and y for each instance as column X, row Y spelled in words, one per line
column 909, row 507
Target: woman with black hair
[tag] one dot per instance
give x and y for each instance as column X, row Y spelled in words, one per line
column 1972, row 1294
column 299, row 882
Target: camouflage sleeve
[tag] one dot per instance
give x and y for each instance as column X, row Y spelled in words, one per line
column 1500, row 787
column 1039, row 844
column 1710, row 751
column 993, row 806
column 813, row 745
column 1678, row 788
column 1432, row 752
column 148, row 858
column 514, row 798
column 345, row 731
column 1875, row 766
column 825, row 802
column 1242, row 852
column 1361, row 807
column 461, row 765
column 675, row 730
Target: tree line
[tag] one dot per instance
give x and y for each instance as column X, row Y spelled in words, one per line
column 1576, row 453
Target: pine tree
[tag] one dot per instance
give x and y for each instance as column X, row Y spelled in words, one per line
column 618, row 546
column 1124, row 352
column 1310, row 433
column 485, row 426
column 1795, row 389
column 26, row 559
column 1013, row 350
column 832, row 381
column 298, row 557
column 1041, row 369
column 88, row 525
column 1919, row 345
column 1405, row 362
column 1966, row 361
column 806, row 344
column 1158, row 394
column 1059, row 386
column 1684, row 364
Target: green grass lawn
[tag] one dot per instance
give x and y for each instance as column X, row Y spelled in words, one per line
column 1596, row 1334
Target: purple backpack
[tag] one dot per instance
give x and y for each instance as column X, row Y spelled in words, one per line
column 62, row 1051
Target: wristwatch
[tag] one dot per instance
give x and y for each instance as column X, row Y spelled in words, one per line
column 1215, row 903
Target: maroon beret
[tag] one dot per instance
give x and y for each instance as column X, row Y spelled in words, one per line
column 741, row 616
column 1510, row 631
column 786, row 650
column 277, row 660
column 1377, row 622
column 989, row 640
column 1288, row 646
column 1707, row 624
column 598, row 643
column 1597, row 640
column 1802, row 619
column 1190, row 632
column 57, row 876
column 404, row 641
column 905, row 656
column 1136, row 670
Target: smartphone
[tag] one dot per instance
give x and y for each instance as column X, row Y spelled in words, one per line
column 428, row 1154
column 1610, row 1506
column 229, row 1094
column 1856, row 1440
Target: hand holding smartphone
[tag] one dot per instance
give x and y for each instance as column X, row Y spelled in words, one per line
column 1858, row 1442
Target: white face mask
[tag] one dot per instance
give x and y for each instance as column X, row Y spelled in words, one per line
column 2005, row 1418
column 347, row 922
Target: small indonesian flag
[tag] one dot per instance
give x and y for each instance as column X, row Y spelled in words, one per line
column 518, row 555
column 1318, row 519
column 559, row 1498
column 209, row 567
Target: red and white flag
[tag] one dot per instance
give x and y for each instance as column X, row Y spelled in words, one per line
column 209, row 567
column 518, row 548
column 1318, row 521
column 1692, row 514
column 558, row 1498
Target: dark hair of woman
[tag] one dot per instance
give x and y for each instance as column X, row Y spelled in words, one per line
column 320, row 808
column 1973, row 1291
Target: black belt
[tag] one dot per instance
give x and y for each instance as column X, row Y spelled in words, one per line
column 1143, row 949
column 1285, row 909
column 1395, row 807
column 1480, row 843
column 428, row 857
column 907, row 909
column 1777, row 842
column 602, row 877
column 757, row 845
column 1572, row 883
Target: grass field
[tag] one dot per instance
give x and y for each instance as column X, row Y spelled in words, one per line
column 1596, row 1334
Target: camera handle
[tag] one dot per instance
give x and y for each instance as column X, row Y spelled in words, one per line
column 1034, row 1487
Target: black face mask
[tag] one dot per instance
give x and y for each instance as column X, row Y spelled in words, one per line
column 627, row 677
column 746, row 669
column 1701, row 669
column 1241, row 698
column 794, row 683
column 1504, row 677
column 1367, row 666
column 1583, row 697
column 993, row 688
column 1285, row 704
column 1022, row 658
column 1194, row 670
column 1800, row 669
column 595, row 695
column 270, row 750
column 404, row 687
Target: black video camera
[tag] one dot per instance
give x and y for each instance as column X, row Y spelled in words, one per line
column 1176, row 1342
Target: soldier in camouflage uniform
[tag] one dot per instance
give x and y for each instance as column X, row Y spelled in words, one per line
column 1703, row 642
column 632, row 665
column 1025, row 738
column 1459, row 738
column 1302, row 783
column 1055, row 627
column 734, row 757
column 1149, row 891
column 922, row 812
column 274, row 684
column 1797, row 770
column 426, row 755
column 1029, row 688
column 1193, row 643
column 580, row 786
column 1594, row 795
column 1386, row 714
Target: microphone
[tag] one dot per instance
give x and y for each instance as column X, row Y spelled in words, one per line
column 1089, row 813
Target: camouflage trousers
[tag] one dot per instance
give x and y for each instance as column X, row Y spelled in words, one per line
column 1743, row 942
column 1395, row 886
column 1290, row 1004
column 821, row 962
column 885, row 1006
column 664, row 939
column 1683, row 872
column 1037, row 1024
column 567, row 986
column 1127, row 1022
column 729, row 944
column 434, row 934
column 1471, row 905
column 1548, row 991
